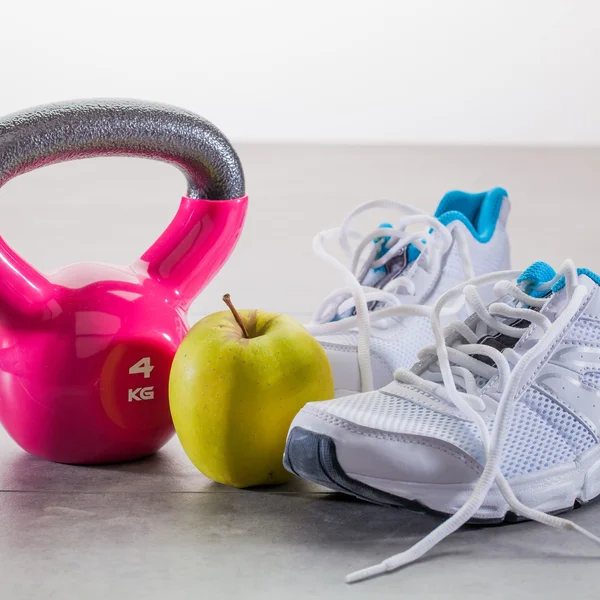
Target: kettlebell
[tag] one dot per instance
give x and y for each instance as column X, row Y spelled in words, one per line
column 85, row 352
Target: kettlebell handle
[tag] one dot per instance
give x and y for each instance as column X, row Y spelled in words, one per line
column 203, row 232
column 65, row 131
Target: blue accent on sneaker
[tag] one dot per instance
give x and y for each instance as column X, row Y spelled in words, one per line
column 385, row 238
column 383, row 248
column 478, row 212
column 560, row 284
column 537, row 273
column 412, row 253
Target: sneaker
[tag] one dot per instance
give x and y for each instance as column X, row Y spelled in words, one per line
column 381, row 319
column 497, row 422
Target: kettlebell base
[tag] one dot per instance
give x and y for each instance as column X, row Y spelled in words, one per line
column 105, row 458
column 101, row 463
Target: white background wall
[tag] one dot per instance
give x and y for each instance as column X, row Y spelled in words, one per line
column 397, row 71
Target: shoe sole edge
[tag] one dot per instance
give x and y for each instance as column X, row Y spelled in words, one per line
column 313, row 456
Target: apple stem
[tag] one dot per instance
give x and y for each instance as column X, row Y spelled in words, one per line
column 236, row 314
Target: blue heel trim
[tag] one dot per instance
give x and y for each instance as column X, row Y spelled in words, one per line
column 478, row 212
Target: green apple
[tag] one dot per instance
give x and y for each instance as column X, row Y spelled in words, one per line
column 237, row 381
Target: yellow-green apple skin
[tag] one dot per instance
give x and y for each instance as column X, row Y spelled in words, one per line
column 233, row 399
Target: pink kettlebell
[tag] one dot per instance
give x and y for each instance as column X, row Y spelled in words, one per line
column 85, row 352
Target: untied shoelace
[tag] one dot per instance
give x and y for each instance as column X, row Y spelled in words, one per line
column 458, row 362
column 432, row 243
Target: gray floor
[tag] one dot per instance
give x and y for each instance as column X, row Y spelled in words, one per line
column 157, row 528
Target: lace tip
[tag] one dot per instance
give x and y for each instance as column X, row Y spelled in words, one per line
column 367, row 573
column 588, row 534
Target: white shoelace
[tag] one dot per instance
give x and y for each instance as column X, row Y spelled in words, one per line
column 510, row 368
column 432, row 243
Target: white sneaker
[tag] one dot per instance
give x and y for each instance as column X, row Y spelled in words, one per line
column 499, row 421
column 380, row 321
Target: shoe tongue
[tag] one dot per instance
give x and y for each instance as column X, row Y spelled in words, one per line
column 394, row 267
column 534, row 275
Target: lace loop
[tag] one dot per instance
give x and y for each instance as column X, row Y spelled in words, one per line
column 374, row 306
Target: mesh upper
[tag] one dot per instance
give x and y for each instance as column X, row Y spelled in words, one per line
column 586, row 331
column 542, row 433
column 397, row 414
